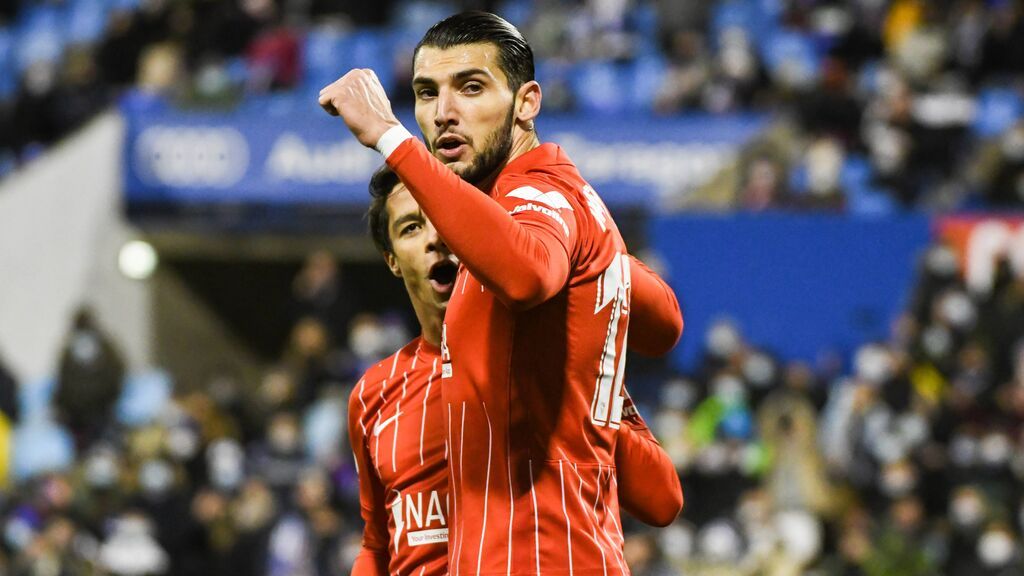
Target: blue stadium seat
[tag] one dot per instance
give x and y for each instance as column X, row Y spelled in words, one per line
column 35, row 397
column 600, row 87
column 323, row 61
column 8, row 74
column 144, row 397
column 40, row 32
column 742, row 14
column 41, row 446
column 373, row 49
column 862, row 196
column 787, row 52
column 997, row 110
column 87, row 20
column 644, row 77
column 417, row 16
column 518, row 12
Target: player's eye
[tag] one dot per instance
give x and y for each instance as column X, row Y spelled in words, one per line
column 409, row 228
column 426, row 93
column 473, row 88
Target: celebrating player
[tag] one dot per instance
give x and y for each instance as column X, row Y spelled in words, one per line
column 396, row 421
column 533, row 344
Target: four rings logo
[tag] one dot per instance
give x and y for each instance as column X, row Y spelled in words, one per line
column 199, row 156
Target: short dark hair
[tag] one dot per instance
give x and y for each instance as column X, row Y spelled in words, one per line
column 515, row 57
column 382, row 184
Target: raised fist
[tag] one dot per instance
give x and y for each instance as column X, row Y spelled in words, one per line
column 359, row 99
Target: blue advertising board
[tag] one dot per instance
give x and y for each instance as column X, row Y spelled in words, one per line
column 796, row 285
column 299, row 155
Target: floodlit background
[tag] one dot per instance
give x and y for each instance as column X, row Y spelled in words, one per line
column 187, row 291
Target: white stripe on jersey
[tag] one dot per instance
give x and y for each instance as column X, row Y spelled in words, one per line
column 423, row 421
column 462, row 520
column 451, row 468
column 568, row 523
column 487, row 490
column 511, row 500
column 394, row 364
column 593, row 526
column 362, row 386
column 536, row 525
column 394, row 440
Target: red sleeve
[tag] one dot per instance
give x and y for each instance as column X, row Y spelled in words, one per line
column 655, row 322
column 649, row 487
column 373, row 556
column 523, row 259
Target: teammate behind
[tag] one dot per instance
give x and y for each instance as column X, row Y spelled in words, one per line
column 535, row 335
column 396, row 421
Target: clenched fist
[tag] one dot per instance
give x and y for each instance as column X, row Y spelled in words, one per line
column 359, row 99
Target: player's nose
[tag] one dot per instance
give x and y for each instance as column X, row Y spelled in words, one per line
column 434, row 241
column 446, row 112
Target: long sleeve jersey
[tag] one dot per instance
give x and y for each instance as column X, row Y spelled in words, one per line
column 533, row 357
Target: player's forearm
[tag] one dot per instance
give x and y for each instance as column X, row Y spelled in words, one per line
column 370, row 563
column 520, row 265
column 655, row 322
column 649, row 486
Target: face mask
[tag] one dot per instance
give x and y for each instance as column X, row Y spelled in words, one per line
column 85, row 348
column 800, row 534
column 936, row 341
column 995, row 450
column 958, row 310
column 182, row 443
column 967, row 511
column 678, row 395
column 156, row 477
column 723, row 340
column 101, row 469
column 759, row 370
column 677, row 542
column 225, row 460
column 873, row 364
column 995, row 548
column 719, row 541
column 729, row 389
column 941, row 261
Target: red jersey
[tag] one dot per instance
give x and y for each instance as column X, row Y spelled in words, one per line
column 396, row 427
column 533, row 364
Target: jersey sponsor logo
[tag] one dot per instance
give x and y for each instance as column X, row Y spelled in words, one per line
column 531, row 207
column 552, row 199
column 380, row 426
column 421, row 518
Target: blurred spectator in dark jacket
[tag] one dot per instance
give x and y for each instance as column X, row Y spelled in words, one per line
column 89, row 379
column 319, row 291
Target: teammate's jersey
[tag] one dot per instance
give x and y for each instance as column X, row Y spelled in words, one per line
column 534, row 397
column 396, row 427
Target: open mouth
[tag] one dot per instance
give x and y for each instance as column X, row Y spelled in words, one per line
column 442, row 275
column 450, row 146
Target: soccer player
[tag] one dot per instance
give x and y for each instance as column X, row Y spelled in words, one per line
column 404, row 483
column 534, row 338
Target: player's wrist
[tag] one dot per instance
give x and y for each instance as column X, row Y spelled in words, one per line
column 391, row 139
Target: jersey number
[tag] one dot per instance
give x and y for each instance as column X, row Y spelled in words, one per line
column 613, row 288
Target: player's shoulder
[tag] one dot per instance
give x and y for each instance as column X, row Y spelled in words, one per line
column 374, row 376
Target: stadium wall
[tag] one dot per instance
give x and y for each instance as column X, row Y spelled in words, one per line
column 61, row 227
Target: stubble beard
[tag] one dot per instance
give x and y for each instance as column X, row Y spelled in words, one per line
column 495, row 154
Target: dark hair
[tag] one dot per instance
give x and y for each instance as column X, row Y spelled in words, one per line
column 382, row 184
column 475, row 27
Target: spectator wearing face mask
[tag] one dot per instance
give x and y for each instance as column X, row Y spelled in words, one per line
column 89, row 380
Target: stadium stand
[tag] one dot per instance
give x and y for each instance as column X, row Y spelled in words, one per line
column 906, row 460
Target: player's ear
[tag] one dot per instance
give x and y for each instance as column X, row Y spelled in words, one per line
column 528, row 99
column 392, row 262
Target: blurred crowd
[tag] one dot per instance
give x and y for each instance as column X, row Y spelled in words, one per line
column 893, row 103
column 906, row 462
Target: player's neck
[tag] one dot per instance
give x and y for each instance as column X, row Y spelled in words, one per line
column 430, row 320
column 522, row 142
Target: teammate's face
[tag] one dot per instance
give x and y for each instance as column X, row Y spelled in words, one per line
column 418, row 255
column 465, row 108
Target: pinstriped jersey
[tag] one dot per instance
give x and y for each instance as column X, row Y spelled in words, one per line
column 396, row 426
column 533, row 398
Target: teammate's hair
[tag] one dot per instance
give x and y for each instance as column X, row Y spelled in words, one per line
column 515, row 58
column 382, row 184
